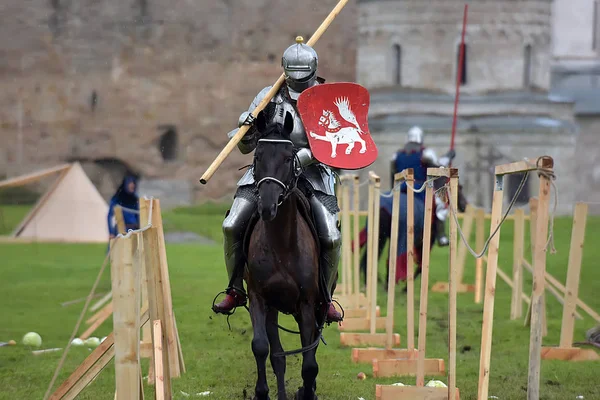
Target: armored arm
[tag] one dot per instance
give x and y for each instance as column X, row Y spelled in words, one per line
column 250, row 139
column 305, row 157
column 446, row 158
column 430, row 158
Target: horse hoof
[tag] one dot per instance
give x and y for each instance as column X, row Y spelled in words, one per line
column 300, row 395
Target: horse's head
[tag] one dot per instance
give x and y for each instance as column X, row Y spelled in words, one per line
column 324, row 119
column 275, row 166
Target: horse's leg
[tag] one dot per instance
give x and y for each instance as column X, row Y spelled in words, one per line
column 350, row 147
column 310, row 368
column 260, row 345
column 385, row 233
column 278, row 363
column 363, row 145
column 334, row 143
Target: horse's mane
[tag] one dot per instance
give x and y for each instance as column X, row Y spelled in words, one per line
column 332, row 119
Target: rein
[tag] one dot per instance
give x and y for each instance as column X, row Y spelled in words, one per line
column 287, row 188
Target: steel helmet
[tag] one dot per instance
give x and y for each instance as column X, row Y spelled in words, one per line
column 299, row 63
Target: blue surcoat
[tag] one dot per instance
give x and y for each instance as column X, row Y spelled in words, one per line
column 412, row 159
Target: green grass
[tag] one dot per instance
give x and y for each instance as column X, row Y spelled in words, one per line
column 36, row 278
column 11, row 216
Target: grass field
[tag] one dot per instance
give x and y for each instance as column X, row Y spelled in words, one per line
column 36, row 278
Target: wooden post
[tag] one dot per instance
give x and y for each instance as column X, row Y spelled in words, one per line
column 410, row 262
column 454, row 281
column 533, row 211
column 356, row 227
column 539, row 269
column 171, row 338
column 424, row 284
column 374, row 234
column 389, row 326
column 126, row 318
column 490, row 290
column 120, row 220
column 162, row 392
column 370, row 225
column 146, row 330
column 573, row 272
column 516, row 308
column 480, row 242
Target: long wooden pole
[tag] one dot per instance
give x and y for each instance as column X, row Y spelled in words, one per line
column 537, row 297
column 355, row 227
column 389, row 324
column 573, row 272
column 490, row 291
column 375, row 261
column 453, row 281
column 422, row 340
column 410, row 275
column 242, row 131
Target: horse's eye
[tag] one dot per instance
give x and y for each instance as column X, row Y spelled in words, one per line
column 288, row 160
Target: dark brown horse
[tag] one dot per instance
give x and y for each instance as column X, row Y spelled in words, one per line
column 283, row 262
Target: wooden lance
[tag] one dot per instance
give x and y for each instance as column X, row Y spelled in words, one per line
column 244, row 128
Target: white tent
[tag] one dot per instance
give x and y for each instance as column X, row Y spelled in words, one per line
column 72, row 210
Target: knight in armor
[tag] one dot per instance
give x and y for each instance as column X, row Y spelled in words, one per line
column 299, row 63
column 418, row 157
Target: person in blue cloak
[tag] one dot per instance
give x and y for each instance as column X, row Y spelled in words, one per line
column 126, row 197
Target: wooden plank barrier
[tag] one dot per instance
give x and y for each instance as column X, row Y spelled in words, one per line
column 565, row 351
column 349, row 293
column 138, row 265
column 373, row 355
column 402, row 367
column 545, row 163
column 372, row 322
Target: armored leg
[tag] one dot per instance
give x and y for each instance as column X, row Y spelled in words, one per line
column 330, row 240
column 234, row 227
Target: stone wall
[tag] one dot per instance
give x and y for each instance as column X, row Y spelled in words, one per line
column 573, row 30
column 102, row 81
column 429, row 32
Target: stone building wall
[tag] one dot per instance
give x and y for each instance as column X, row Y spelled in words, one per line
column 428, row 33
column 103, row 81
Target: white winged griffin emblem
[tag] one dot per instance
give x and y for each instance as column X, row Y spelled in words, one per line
column 336, row 133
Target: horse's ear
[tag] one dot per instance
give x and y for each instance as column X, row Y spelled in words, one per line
column 288, row 125
column 261, row 122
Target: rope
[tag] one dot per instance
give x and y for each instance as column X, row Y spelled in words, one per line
column 397, row 187
column 145, row 228
column 548, row 174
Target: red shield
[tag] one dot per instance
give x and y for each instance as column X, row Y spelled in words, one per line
column 335, row 121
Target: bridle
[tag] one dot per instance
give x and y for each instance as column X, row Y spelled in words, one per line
column 297, row 170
